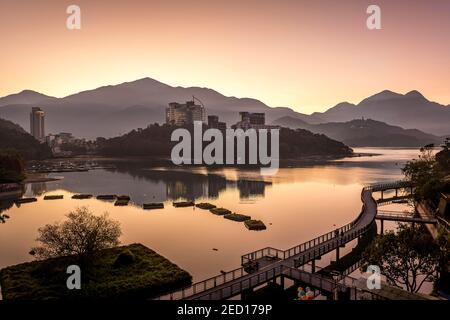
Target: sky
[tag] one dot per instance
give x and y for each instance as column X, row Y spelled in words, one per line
column 305, row 54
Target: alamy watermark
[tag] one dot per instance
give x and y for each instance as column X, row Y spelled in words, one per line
column 374, row 279
column 249, row 147
column 373, row 22
column 74, row 280
column 73, row 21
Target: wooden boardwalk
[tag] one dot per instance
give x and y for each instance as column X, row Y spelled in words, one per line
column 395, row 199
column 405, row 217
column 269, row 263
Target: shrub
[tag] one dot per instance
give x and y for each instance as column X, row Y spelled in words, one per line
column 125, row 258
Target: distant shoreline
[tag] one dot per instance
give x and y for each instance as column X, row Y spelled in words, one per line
column 165, row 161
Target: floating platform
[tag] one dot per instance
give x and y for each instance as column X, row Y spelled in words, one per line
column 106, row 197
column 121, row 203
column 183, row 204
column 82, row 196
column 54, row 197
column 123, row 197
column 220, row 211
column 205, row 206
column 25, row 200
column 151, row 206
column 255, row 225
column 237, row 217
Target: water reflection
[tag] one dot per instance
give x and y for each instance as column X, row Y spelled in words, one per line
column 151, row 184
column 38, row 188
column 296, row 205
column 4, row 206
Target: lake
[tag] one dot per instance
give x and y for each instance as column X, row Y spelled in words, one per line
column 296, row 205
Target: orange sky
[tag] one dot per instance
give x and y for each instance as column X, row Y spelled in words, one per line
column 308, row 55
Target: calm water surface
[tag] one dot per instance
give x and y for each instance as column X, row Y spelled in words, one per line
column 296, row 205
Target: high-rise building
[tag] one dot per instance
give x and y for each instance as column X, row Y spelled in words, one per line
column 253, row 118
column 37, row 123
column 184, row 114
column 253, row 121
column 213, row 122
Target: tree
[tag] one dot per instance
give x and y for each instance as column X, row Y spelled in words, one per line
column 427, row 175
column 407, row 259
column 421, row 170
column 11, row 166
column 443, row 157
column 443, row 241
column 82, row 234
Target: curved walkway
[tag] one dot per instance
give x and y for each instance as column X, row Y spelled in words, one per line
column 272, row 262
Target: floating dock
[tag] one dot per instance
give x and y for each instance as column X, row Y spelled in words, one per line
column 151, row 206
column 237, row 217
column 54, row 197
column 255, row 225
column 106, row 197
column 82, row 196
column 205, row 206
column 121, row 203
column 220, row 211
column 182, row 204
column 24, row 200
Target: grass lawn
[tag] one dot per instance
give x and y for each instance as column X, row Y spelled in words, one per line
column 132, row 271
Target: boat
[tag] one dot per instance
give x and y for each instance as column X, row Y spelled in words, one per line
column 123, row 197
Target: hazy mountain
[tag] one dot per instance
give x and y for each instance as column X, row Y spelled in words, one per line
column 25, row 97
column 13, row 137
column 113, row 110
column 411, row 110
column 357, row 133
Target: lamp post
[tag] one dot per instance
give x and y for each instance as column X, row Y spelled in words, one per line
column 335, row 274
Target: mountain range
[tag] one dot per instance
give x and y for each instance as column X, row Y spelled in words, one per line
column 116, row 109
column 365, row 133
column 411, row 110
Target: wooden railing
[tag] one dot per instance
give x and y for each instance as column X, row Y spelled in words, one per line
column 389, row 185
column 392, row 214
column 204, row 285
column 237, row 287
column 325, row 238
column 312, row 279
column 239, row 280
